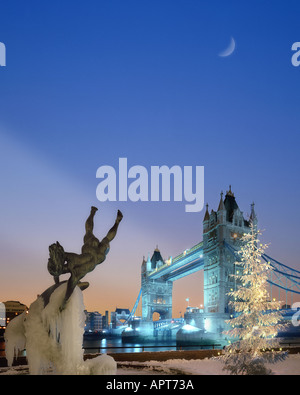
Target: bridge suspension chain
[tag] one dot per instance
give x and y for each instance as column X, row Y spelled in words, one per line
column 134, row 307
column 280, row 270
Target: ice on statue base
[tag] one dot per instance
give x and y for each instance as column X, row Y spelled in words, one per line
column 53, row 339
column 52, row 330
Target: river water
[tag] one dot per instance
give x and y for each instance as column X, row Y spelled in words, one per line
column 116, row 345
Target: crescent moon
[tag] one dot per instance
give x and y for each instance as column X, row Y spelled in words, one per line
column 229, row 50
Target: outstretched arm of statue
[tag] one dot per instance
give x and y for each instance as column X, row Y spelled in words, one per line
column 78, row 265
column 89, row 225
column 113, row 231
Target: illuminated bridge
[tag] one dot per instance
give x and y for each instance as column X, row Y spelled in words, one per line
column 190, row 261
column 215, row 255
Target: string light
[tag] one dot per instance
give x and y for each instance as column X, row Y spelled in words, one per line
column 255, row 323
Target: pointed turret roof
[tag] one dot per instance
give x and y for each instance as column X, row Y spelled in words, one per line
column 221, row 204
column 206, row 216
column 156, row 257
column 144, row 264
column 253, row 216
column 230, row 204
column 229, row 193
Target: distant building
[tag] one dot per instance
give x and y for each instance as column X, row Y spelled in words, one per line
column 13, row 308
column 106, row 320
column 118, row 317
column 94, row 321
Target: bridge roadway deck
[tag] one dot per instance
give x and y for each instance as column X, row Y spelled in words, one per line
column 189, row 261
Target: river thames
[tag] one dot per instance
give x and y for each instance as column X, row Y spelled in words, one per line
column 116, row 345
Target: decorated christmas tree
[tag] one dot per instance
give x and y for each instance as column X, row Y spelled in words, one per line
column 256, row 319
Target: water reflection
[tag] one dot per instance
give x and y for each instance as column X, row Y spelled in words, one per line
column 110, row 346
column 116, row 345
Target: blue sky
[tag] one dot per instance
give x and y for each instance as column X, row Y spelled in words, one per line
column 89, row 82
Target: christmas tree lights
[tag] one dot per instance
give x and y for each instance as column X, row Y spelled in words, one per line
column 256, row 320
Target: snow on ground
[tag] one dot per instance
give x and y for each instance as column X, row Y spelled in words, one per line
column 211, row 366
column 291, row 366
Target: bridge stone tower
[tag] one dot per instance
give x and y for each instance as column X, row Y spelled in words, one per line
column 156, row 294
column 227, row 224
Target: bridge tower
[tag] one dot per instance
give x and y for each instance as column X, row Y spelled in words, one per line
column 227, row 224
column 156, row 294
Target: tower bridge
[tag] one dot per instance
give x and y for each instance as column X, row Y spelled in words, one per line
column 188, row 262
column 216, row 255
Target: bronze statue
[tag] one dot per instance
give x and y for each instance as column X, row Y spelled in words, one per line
column 93, row 252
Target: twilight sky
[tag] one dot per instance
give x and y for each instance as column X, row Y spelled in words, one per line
column 88, row 82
